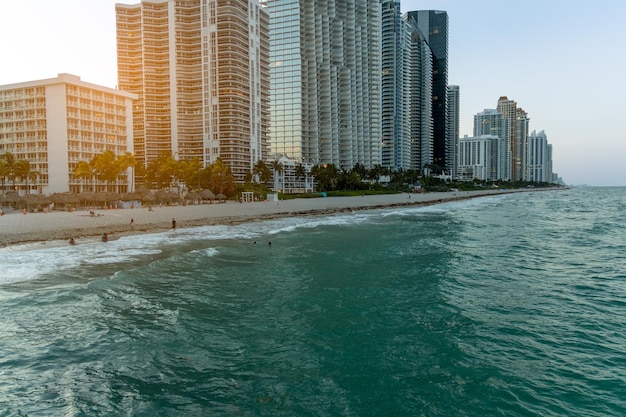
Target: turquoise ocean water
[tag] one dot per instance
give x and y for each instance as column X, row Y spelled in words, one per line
column 511, row 305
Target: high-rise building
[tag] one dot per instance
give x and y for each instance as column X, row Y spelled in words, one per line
column 420, row 92
column 434, row 26
column 454, row 116
column 492, row 122
column 477, row 156
column 326, row 81
column 56, row 123
column 520, row 127
column 396, row 115
column 538, row 158
column 508, row 108
column 201, row 72
column 407, row 122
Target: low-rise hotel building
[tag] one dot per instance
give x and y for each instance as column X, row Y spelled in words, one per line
column 55, row 123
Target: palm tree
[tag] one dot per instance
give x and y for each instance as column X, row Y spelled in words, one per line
column 189, row 170
column 127, row 161
column 106, row 167
column 24, row 171
column 4, row 172
column 278, row 169
column 10, row 161
column 261, row 171
column 326, row 176
column 222, row 176
column 85, row 171
column 301, row 173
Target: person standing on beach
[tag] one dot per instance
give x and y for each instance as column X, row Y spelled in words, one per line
column 132, row 224
column 105, row 237
column 173, row 223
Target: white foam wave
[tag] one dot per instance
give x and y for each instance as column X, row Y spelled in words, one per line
column 36, row 260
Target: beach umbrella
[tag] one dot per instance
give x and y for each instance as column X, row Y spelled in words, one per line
column 73, row 198
column 29, row 200
column 148, row 197
column 100, row 197
column 113, row 196
column 208, row 195
column 43, row 199
column 161, row 195
column 133, row 196
column 11, row 197
column 221, row 197
column 171, row 196
column 192, row 196
column 86, row 196
column 58, row 198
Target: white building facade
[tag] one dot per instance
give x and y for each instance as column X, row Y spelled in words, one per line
column 492, row 122
column 538, row 156
column 55, row 123
column 478, row 158
column 201, row 71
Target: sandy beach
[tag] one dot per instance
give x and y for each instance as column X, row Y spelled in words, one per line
column 17, row 228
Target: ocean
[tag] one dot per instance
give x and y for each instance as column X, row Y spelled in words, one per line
column 507, row 305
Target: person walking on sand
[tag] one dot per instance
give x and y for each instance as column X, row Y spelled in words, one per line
column 132, row 224
column 173, row 223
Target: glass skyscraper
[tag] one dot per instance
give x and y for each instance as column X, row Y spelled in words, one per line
column 433, row 24
column 325, row 92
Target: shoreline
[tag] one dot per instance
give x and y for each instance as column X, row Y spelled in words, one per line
column 17, row 229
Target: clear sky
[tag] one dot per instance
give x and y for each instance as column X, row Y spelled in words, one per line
column 562, row 61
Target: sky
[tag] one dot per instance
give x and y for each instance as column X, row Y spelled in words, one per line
column 563, row 62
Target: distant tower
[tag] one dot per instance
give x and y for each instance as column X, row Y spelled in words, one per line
column 201, row 71
column 454, row 115
column 491, row 122
column 326, row 81
column 434, row 25
column 538, row 158
column 520, row 128
column 508, row 108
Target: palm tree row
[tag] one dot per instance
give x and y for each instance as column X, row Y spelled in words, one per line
column 164, row 172
column 106, row 168
column 14, row 169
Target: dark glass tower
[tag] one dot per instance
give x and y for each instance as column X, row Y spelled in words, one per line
column 434, row 25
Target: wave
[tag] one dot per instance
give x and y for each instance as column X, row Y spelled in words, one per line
column 35, row 261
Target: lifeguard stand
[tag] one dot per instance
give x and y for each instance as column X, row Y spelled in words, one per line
column 247, row 196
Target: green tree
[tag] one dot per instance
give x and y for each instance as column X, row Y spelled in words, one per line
column 277, row 168
column 106, row 167
column 124, row 162
column 262, row 172
column 85, row 171
column 159, row 170
column 9, row 158
column 189, row 172
column 4, row 172
column 326, row 177
column 24, row 170
column 302, row 174
column 223, row 180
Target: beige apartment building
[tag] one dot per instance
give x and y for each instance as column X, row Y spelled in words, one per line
column 200, row 69
column 55, row 123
